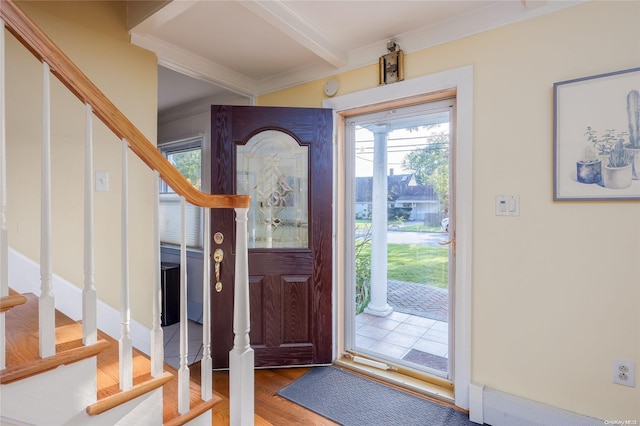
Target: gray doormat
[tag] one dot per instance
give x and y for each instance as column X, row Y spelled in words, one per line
column 427, row 360
column 352, row 400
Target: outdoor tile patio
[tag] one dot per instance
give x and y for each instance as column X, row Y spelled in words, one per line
column 418, row 323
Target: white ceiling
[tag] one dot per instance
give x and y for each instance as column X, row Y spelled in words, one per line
column 253, row 47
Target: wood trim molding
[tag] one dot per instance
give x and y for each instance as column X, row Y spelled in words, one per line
column 122, row 397
column 44, row 49
column 10, row 301
column 32, row 368
column 193, row 413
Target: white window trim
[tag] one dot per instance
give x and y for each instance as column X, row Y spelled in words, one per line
column 460, row 79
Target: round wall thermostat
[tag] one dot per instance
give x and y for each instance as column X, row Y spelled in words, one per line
column 331, row 87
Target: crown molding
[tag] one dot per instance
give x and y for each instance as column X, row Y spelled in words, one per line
column 493, row 16
column 482, row 20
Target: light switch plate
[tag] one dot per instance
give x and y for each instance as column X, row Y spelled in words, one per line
column 102, row 181
column 507, row 205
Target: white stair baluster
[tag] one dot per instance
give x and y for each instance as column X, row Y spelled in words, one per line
column 206, row 373
column 89, row 296
column 241, row 357
column 183, row 371
column 157, row 334
column 46, row 315
column 4, row 241
column 126, row 351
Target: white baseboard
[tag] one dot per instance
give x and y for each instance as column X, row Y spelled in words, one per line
column 496, row 408
column 24, row 277
column 476, row 409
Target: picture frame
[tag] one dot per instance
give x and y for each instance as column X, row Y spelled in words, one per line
column 596, row 137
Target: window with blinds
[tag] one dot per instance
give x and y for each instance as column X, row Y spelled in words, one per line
column 186, row 156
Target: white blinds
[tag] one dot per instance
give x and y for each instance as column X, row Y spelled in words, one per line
column 170, row 222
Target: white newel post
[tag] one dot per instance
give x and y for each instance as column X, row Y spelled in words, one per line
column 157, row 339
column 89, row 296
column 241, row 357
column 183, row 371
column 46, row 314
column 126, row 349
column 206, row 365
column 4, row 241
column 378, row 305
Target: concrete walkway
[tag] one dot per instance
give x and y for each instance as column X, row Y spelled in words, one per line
column 419, row 299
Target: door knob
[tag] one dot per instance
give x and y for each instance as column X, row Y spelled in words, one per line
column 218, row 255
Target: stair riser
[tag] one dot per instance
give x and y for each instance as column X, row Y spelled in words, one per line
column 51, row 398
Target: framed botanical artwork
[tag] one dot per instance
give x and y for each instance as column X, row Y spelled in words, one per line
column 597, row 137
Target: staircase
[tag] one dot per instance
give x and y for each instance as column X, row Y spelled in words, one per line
column 103, row 402
column 58, row 371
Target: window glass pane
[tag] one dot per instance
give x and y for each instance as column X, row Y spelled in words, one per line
column 400, row 240
column 273, row 169
column 170, row 222
column 189, row 163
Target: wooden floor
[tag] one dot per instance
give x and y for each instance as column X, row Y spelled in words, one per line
column 270, row 409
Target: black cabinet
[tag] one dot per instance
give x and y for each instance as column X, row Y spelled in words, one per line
column 170, row 286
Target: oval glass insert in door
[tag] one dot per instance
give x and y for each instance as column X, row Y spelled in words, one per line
column 273, row 168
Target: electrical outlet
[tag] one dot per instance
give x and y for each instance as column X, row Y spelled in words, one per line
column 624, row 372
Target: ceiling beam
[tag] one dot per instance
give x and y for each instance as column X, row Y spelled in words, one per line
column 278, row 14
column 195, row 66
column 169, row 11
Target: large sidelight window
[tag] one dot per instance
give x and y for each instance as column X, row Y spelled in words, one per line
column 402, row 243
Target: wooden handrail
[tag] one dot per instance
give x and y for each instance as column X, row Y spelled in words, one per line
column 43, row 48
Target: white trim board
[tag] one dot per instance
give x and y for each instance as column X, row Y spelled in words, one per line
column 490, row 406
column 24, row 276
column 460, row 79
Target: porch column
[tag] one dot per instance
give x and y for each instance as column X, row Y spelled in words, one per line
column 378, row 305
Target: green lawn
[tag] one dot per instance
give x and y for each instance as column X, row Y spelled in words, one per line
column 420, row 228
column 416, row 263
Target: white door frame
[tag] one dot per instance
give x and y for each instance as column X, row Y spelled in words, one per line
column 460, row 79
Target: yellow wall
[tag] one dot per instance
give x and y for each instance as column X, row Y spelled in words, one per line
column 555, row 290
column 94, row 35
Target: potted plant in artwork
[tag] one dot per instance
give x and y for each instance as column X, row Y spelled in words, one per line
column 589, row 168
column 617, row 173
column 603, row 144
column 633, row 148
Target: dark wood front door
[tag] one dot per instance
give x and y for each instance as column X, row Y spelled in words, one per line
column 282, row 157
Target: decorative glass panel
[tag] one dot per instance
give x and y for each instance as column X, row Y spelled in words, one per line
column 274, row 170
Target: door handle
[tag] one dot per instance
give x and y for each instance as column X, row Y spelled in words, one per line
column 452, row 241
column 218, row 255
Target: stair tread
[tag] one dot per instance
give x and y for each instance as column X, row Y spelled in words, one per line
column 21, row 333
column 170, row 392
